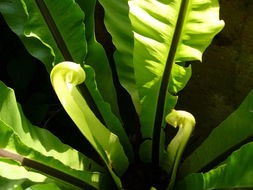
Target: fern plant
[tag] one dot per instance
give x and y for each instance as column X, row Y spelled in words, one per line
column 153, row 40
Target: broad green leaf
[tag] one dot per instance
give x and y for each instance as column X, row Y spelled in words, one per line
column 118, row 24
column 49, row 186
column 236, row 171
column 52, row 38
column 238, row 127
column 144, row 33
column 96, row 57
column 65, row 77
column 13, row 175
column 40, row 139
column 154, row 24
column 47, row 165
column 52, row 31
column 16, row 17
column 19, row 136
column 179, row 78
column 111, row 121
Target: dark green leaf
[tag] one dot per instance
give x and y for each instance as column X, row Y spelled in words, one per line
column 96, row 57
column 119, row 26
column 110, row 120
column 238, row 127
column 52, row 31
column 235, row 173
column 49, row 186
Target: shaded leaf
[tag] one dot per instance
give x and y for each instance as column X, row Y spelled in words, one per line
column 52, row 31
column 96, row 57
column 49, row 186
column 118, row 24
column 237, row 128
column 111, row 121
column 236, row 171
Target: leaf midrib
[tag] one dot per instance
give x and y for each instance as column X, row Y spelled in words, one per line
column 45, row 169
column 165, row 81
column 54, row 30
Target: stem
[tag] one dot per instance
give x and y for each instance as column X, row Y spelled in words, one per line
column 165, row 83
column 45, row 169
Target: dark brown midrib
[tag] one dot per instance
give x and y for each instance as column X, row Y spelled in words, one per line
column 165, row 81
column 46, row 169
column 54, row 30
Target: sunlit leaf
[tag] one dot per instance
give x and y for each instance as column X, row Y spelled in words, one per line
column 20, row 137
column 111, row 121
column 65, row 78
column 143, row 33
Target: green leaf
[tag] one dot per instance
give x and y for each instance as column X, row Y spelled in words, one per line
column 65, row 77
column 154, row 30
column 49, row 186
column 144, row 33
column 110, row 120
column 19, row 136
column 238, row 127
column 97, row 59
column 179, row 78
column 12, row 175
column 59, row 35
column 236, row 171
column 52, row 31
column 118, row 24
